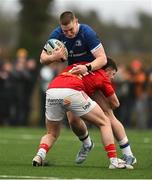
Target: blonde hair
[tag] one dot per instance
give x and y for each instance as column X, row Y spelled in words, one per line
column 22, row 52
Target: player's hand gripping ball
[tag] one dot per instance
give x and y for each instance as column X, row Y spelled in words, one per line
column 53, row 44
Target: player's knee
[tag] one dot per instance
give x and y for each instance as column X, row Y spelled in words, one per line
column 107, row 121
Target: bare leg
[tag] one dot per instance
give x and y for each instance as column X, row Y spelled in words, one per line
column 98, row 118
column 53, row 131
column 47, row 141
column 79, row 127
column 76, row 124
column 117, row 127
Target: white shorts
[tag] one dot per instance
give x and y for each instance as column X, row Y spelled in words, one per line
column 60, row 100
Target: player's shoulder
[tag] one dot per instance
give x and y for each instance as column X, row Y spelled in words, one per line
column 56, row 33
column 86, row 28
column 58, row 29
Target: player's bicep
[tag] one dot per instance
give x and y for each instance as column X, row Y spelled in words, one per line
column 98, row 52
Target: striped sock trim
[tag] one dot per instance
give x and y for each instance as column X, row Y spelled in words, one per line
column 44, row 146
column 111, row 150
column 124, row 145
column 82, row 139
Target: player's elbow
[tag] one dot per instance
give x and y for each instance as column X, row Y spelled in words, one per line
column 42, row 61
column 104, row 60
column 41, row 58
column 115, row 104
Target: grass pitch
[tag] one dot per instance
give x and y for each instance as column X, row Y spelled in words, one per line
column 18, row 146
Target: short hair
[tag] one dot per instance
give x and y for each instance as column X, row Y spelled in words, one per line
column 111, row 64
column 66, row 17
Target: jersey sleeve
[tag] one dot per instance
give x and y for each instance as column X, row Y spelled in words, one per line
column 55, row 34
column 103, row 83
column 92, row 39
column 107, row 87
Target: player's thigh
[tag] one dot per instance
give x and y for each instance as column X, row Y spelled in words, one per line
column 96, row 116
column 102, row 101
column 83, row 106
column 72, row 118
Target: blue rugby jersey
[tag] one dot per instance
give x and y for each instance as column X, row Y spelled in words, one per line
column 80, row 47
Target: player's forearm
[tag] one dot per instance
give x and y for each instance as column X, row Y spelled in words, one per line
column 98, row 63
column 100, row 59
column 113, row 101
column 46, row 59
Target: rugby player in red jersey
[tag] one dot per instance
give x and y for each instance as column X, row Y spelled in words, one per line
column 118, row 129
column 69, row 92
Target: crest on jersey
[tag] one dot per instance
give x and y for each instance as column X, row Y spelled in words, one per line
column 78, row 42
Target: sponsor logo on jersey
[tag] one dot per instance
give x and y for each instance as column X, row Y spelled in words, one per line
column 71, row 54
column 54, row 101
column 86, row 106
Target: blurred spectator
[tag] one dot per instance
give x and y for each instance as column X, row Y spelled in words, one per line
column 21, row 53
column 124, row 93
column 32, row 70
column 135, row 101
column 21, row 77
column 6, row 89
column 149, row 98
column 24, row 74
column 139, row 90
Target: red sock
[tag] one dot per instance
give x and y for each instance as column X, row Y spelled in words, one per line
column 111, row 150
column 44, row 146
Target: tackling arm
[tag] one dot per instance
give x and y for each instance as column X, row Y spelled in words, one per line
column 106, row 103
column 113, row 101
column 100, row 59
column 98, row 63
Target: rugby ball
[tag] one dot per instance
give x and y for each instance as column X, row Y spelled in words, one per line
column 53, row 44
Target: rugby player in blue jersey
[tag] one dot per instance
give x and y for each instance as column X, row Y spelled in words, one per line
column 83, row 44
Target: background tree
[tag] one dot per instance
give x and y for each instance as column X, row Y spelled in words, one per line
column 34, row 17
column 143, row 36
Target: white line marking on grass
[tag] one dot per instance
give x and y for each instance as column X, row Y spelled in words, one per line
column 36, row 177
column 27, row 177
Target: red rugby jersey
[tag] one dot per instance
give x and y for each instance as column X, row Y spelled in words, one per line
column 98, row 80
column 89, row 83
